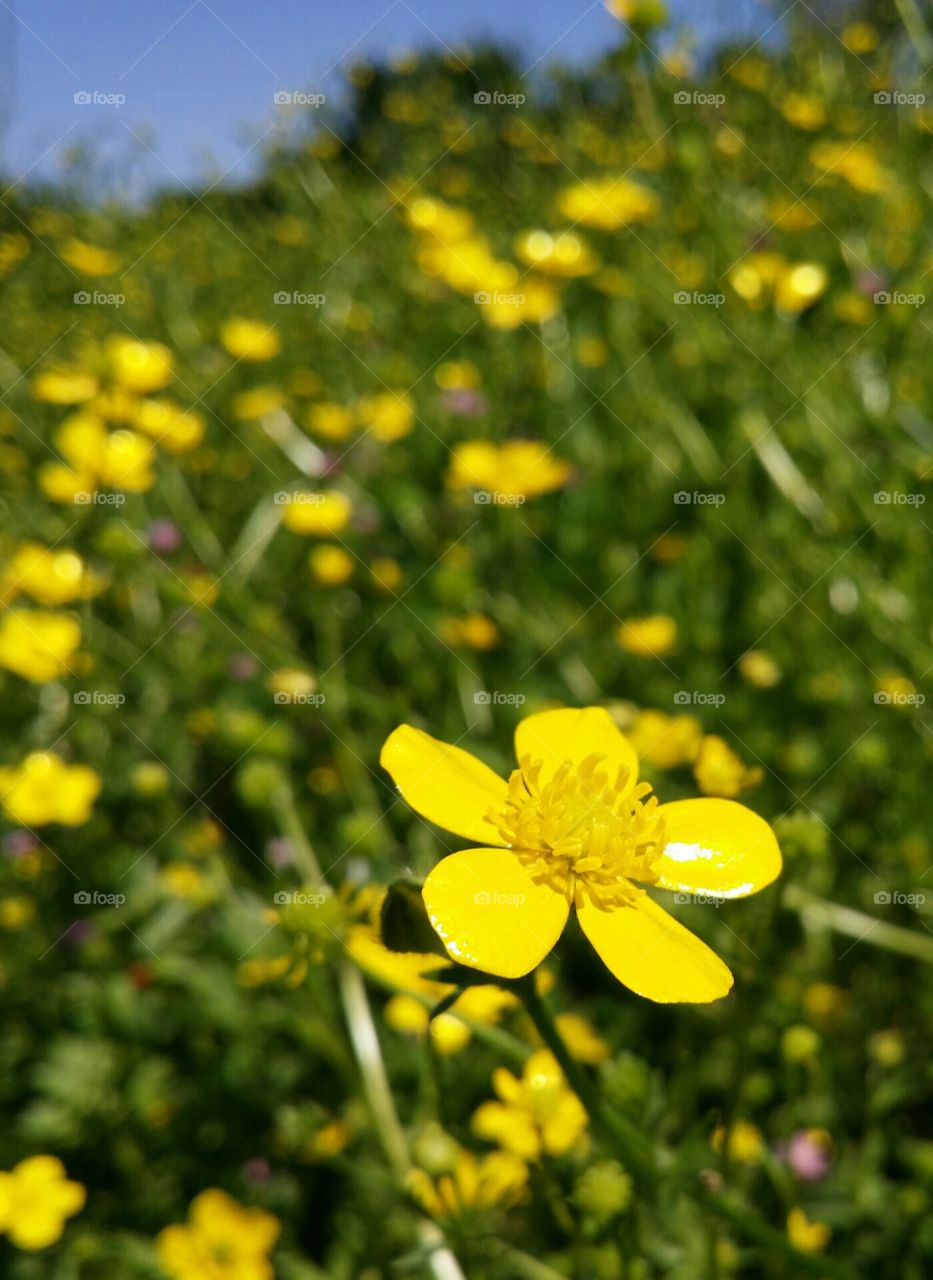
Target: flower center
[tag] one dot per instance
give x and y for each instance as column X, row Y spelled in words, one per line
column 583, row 831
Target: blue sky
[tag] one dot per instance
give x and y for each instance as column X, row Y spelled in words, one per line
column 198, row 76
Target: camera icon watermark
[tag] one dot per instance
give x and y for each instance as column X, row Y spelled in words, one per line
column 94, row 698
column 494, row 698
column 694, row 98
column 698, row 899
column 296, row 98
column 83, row 298
column 695, row 698
column 484, row 298
column 283, row 698
column 685, row 298
column 94, row 98
column 284, row 498
column 895, row 698
column 493, row 98
column 686, row 498
column 496, row 498
column 896, row 498
column 894, row 898
column 94, row 898
column 298, row 898
column 897, row 298
column 483, row 898
column 895, row 98
column 86, row 498
column 286, row 298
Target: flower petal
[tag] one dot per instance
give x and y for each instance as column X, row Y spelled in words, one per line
column 443, row 783
column 573, row 734
column 716, row 847
column 490, row 914
column 654, row 955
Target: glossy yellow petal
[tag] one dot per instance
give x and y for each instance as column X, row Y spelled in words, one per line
column 443, row 783
column 653, row 955
column 490, row 914
column 716, row 847
column 573, row 734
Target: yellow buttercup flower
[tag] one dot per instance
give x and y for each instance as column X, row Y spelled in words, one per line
column 759, row 668
column 388, row 416
column 538, row 1114
column 64, row 386
column 169, row 425
column 38, row 645
column 742, row 1142
column 474, row 631
column 649, row 637
column 50, row 576
column 534, row 301
column 331, row 421
column 321, row 515
column 248, row 406
column 564, row 254
column 89, row 259
column 139, row 366
column 517, row 468
column 35, row 1199
column 220, row 1241
column 665, row 741
column 573, row 827
column 854, row 162
column 807, row 1236
column 799, row 286
column 608, row 203
column 250, row 340
column 804, row 111
column 476, row 1182
column 720, row 772
column 43, row 788
column 581, row 1040
column 330, row 566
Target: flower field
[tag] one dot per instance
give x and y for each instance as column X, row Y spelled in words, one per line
column 465, row 648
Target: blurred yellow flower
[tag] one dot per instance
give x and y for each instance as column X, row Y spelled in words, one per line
column 760, row 669
column 474, row 631
column 294, row 681
column 563, row 254
column 855, row 162
column 803, row 111
column 860, row 37
column 647, row 13
column 247, row 406
column 186, row 881
column 517, row 468
column 14, row 247
column 665, row 741
column 139, row 366
column 435, row 218
column 38, row 645
column 250, row 340
column 386, row 573
column 321, row 515
column 89, row 259
column 581, row 1040
column 457, row 375
column 387, row 417
column 537, row 1114
column 800, row 1044
column 35, row 1199
column 720, row 772
column 533, row 301
column 51, row 576
column 649, row 637
column 220, row 1241
column 742, row 1143
column 854, row 308
column 807, row 1236
column 608, row 203
column 501, row 906
column 331, row 421
column 799, row 286
column 754, row 276
column 64, row 386
column 16, row 913
column 476, row 1182
column 330, row 566
column 43, row 788
column 169, row 425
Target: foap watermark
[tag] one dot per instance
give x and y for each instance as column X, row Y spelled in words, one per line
column 95, row 898
column 694, row 98
column 94, row 98
column 695, row 698
column 281, row 698
column 297, row 98
column 895, row 898
column 85, row 498
column 284, row 498
column 895, row 298
column 496, row 498
column 86, row 299
column 895, row 98
column 696, row 498
column 493, row 698
column 95, row 698
column 898, row 698
column 494, row 98
column 287, row 298
column 686, row 298
column 497, row 299
column 698, row 899
column 483, row 898
column 298, row 898
column 896, row 498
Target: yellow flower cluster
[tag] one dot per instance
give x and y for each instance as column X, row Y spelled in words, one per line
column 793, row 286
column 515, row 469
column 50, row 576
column 39, row 645
column 42, row 788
